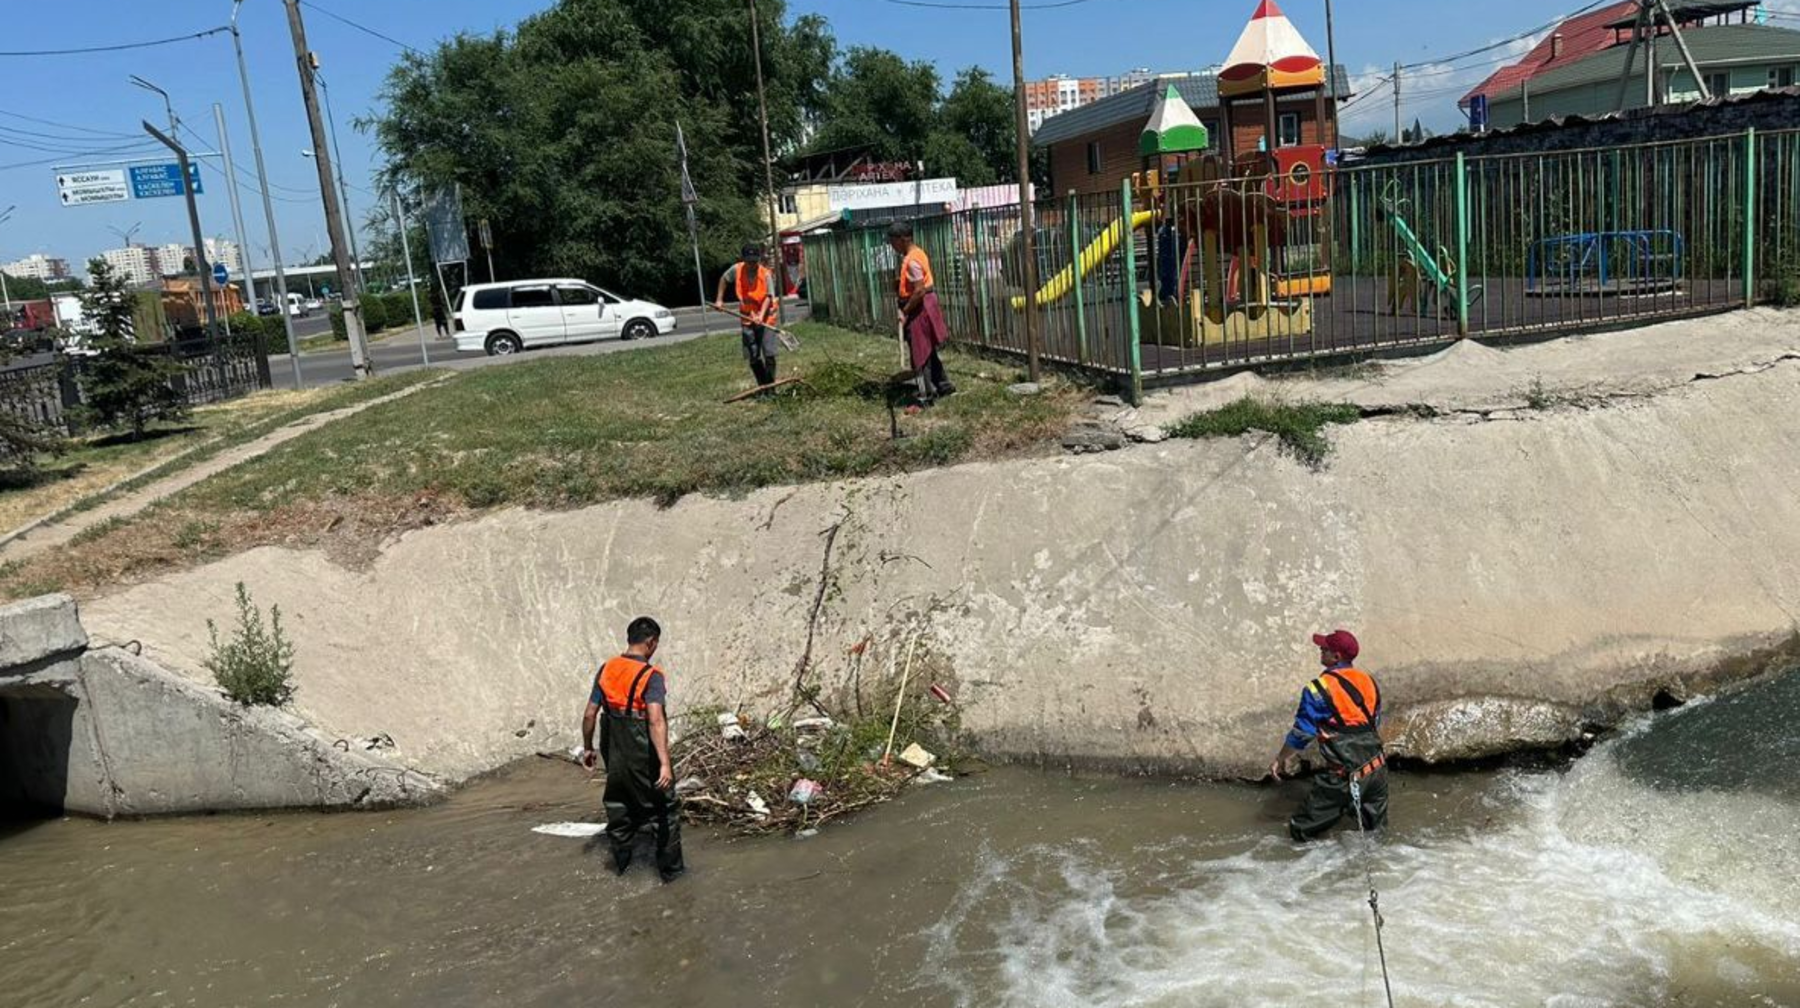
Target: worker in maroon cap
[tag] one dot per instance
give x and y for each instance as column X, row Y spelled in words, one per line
column 1342, row 710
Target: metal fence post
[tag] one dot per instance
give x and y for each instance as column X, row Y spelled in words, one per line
column 1462, row 246
column 1130, row 294
column 1075, row 275
column 978, row 263
column 1749, row 216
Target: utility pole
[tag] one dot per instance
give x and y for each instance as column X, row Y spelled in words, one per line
column 689, row 197
column 1396, row 101
column 5, row 296
column 262, row 174
column 200, row 264
column 237, row 209
column 334, row 220
column 1027, row 229
column 1331, row 76
column 762, row 107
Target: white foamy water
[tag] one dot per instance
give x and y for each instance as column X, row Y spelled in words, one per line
column 1571, row 890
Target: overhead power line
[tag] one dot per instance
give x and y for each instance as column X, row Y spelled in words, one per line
column 365, row 29
column 1490, row 47
column 121, row 47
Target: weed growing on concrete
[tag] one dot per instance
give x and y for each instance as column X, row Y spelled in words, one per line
column 1783, row 291
column 1538, row 397
column 1300, row 426
column 256, row 666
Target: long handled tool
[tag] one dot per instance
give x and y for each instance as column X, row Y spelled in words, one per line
column 899, row 702
column 788, row 339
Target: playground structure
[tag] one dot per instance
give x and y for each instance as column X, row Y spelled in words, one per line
column 1418, row 276
column 1210, row 258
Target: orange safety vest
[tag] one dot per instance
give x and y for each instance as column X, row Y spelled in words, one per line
column 1355, row 699
column 753, row 298
column 914, row 254
column 622, row 682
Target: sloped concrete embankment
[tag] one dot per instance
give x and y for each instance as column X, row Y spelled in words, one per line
column 1148, row 609
column 102, row 731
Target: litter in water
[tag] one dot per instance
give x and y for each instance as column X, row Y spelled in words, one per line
column 571, row 829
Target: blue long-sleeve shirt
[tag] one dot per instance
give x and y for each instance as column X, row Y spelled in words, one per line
column 1315, row 709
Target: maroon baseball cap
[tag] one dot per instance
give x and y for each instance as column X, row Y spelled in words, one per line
column 1340, row 640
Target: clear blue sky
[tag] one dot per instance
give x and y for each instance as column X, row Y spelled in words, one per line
column 91, row 91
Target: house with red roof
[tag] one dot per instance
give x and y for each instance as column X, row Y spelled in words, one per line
column 1578, row 67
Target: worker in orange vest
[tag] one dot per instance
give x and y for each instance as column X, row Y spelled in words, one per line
column 752, row 286
column 1342, row 710
column 629, row 703
column 921, row 317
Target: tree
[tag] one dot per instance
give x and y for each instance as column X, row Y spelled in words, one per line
column 878, row 101
column 562, row 132
column 981, row 112
column 124, row 384
column 31, row 288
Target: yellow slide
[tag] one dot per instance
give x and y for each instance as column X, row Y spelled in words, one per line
column 1091, row 257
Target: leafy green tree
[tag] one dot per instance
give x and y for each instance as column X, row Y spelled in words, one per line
column 981, row 112
column 879, row 101
column 124, row 384
column 31, row 288
column 561, row 133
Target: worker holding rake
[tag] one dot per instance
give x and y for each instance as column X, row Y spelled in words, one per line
column 759, row 311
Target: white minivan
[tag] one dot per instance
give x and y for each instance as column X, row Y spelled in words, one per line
column 504, row 318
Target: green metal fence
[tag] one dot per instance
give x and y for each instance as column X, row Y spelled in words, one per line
column 1200, row 275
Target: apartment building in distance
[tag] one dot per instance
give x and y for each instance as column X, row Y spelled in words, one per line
column 1061, row 93
column 37, row 266
column 136, row 264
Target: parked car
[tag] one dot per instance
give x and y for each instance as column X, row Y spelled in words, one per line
column 266, row 307
column 313, row 305
column 504, row 318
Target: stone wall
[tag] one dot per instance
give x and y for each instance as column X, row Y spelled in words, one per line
column 102, row 731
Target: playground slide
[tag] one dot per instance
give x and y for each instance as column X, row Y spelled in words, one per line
column 1091, row 257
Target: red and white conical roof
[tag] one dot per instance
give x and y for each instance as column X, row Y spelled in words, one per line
column 1270, row 54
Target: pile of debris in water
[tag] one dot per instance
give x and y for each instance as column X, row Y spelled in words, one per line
column 793, row 775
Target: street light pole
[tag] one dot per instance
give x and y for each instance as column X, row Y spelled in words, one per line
column 337, row 157
column 412, row 282
column 1027, row 233
column 237, row 209
column 5, row 296
column 262, row 175
column 171, row 141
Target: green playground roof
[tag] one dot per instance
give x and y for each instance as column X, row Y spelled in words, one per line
column 1173, row 128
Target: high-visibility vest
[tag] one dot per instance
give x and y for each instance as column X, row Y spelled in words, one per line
column 914, row 254
column 753, row 296
column 1355, row 699
column 622, row 682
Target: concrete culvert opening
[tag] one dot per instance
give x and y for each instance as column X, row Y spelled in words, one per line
column 37, row 739
column 1664, row 700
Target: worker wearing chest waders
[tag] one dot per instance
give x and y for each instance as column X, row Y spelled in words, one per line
column 1342, row 709
column 921, row 317
column 759, row 306
column 629, row 703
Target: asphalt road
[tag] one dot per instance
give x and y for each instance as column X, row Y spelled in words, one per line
column 400, row 351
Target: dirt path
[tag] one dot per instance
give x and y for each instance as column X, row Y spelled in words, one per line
column 58, row 529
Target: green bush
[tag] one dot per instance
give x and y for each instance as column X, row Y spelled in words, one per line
column 256, row 666
column 338, row 331
column 400, row 309
column 374, row 314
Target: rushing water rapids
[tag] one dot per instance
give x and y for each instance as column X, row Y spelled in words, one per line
column 1658, row 869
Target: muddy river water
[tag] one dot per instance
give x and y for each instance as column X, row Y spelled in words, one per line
column 1659, row 869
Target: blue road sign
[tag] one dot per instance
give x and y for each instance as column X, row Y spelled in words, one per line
column 221, row 275
column 1478, row 113
column 157, row 180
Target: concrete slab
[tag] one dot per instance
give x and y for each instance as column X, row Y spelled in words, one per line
column 38, row 628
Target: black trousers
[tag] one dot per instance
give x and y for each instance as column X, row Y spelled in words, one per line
column 633, row 801
column 760, row 354
column 934, row 374
column 1330, row 799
